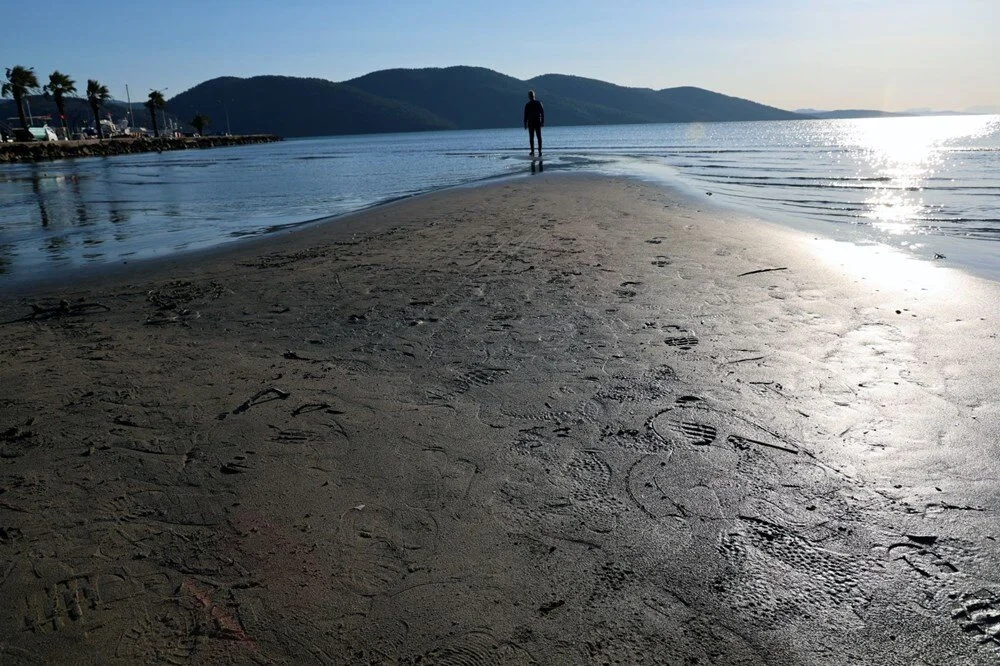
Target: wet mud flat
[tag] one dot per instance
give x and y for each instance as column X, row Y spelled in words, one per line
column 558, row 420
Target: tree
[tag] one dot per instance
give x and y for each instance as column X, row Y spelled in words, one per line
column 200, row 122
column 59, row 86
column 21, row 81
column 155, row 102
column 97, row 95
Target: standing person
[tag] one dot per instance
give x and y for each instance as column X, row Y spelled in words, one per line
column 534, row 120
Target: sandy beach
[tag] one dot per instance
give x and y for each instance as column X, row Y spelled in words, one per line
column 563, row 419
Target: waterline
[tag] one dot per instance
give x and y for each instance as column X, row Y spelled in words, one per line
column 929, row 185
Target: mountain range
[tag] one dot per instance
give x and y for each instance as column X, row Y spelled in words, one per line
column 406, row 100
column 401, row 100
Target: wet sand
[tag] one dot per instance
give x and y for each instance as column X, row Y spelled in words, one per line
column 556, row 420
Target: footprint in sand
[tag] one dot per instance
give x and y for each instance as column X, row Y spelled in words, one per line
column 680, row 337
column 684, row 342
column 475, row 648
column 711, row 466
column 377, row 545
column 478, row 377
column 818, row 583
column 979, row 614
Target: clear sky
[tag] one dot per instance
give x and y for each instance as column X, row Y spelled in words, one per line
column 879, row 54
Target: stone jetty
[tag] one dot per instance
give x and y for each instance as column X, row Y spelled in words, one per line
column 39, row 151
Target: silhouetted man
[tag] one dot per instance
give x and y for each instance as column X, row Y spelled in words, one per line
column 534, row 120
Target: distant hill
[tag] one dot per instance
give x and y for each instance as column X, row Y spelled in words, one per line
column 403, row 100
column 670, row 105
column 983, row 109
column 477, row 98
column 290, row 106
column 871, row 113
column 848, row 113
column 407, row 100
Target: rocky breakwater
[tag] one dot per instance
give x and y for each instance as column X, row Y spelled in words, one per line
column 56, row 150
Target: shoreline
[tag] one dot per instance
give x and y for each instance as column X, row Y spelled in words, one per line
column 336, row 226
column 55, row 234
column 562, row 419
column 687, row 192
column 46, row 151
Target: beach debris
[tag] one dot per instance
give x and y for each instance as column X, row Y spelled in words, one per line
column 743, row 443
column 15, row 433
column 764, row 387
column 181, row 316
column 220, row 623
column 763, row 270
column 171, row 295
column 17, row 437
column 545, row 609
column 359, row 507
column 10, row 534
column 131, row 423
column 746, row 360
column 64, row 308
column 925, row 539
column 310, row 407
column 256, row 399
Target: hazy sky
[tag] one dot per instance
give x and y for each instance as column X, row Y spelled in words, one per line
column 882, row 54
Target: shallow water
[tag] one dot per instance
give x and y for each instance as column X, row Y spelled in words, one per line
column 929, row 185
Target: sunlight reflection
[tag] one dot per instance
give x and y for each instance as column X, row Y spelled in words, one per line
column 905, row 154
column 893, row 213
column 885, row 267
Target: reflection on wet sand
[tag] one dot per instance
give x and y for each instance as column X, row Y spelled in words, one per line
column 36, row 187
column 116, row 214
column 58, row 248
column 80, row 203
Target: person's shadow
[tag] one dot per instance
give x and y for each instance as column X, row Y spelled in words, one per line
column 537, row 167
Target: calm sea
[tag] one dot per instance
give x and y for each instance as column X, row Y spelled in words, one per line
column 929, row 185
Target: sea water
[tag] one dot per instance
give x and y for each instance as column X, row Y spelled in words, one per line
column 928, row 185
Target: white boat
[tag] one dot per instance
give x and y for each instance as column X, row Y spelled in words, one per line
column 43, row 133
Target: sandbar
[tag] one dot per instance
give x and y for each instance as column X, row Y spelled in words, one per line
column 563, row 419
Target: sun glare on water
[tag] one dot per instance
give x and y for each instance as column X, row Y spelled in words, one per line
column 900, row 156
column 903, row 154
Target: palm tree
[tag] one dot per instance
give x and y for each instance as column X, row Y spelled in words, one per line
column 97, row 95
column 155, row 102
column 59, row 86
column 200, row 122
column 152, row 115
column 20, row 82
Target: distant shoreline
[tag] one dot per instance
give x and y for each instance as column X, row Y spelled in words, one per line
column 41, row 151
